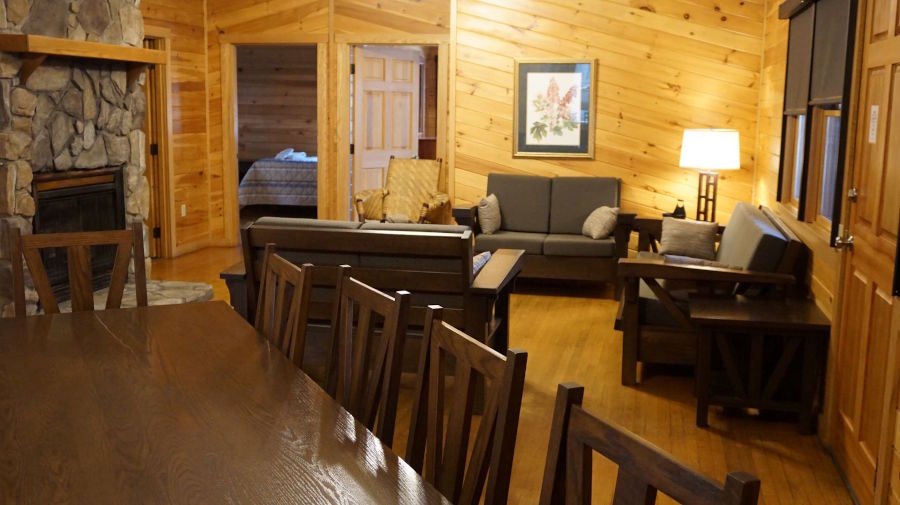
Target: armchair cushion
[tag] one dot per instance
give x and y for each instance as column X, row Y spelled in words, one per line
column 409, row 184
column 579, row 245
column 750, row 241
column 524, row 202
column 572, row 199
column 683, row 237
column 532, row 243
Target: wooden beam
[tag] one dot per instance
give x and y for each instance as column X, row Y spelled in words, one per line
column 46, row 46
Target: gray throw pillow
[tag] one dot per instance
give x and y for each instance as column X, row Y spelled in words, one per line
column 489, row 214
column 601, row 223
column 683, row 237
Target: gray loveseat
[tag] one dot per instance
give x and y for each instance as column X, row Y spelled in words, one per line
column 544, row 217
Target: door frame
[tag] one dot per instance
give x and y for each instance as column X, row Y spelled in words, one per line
column 162, row 184
column 343, row 47
column 228, row 68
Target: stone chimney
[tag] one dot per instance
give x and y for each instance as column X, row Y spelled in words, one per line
column 71, row 113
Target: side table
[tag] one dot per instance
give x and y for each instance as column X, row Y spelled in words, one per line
column 775, row 331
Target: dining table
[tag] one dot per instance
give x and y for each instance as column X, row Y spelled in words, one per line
column 178, row 404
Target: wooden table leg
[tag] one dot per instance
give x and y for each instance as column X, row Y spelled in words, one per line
column 704, row 362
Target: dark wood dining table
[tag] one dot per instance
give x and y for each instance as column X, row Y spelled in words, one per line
column 177, row 404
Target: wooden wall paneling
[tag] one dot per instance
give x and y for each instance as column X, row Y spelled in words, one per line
column 660, row 69
column 230, row 124
column 324, row 139
column 276, row 100
column 187, row 70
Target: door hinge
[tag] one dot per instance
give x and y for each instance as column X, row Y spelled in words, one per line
column 852, row 194
column 157, row 233
column 154, row 149
column 352, row 68
column 844, row 243
column 352, row 149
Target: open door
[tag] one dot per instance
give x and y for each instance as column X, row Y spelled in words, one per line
column 386, row 91
column 156, row 131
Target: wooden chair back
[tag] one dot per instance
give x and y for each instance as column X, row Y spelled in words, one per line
column 284, row 296
column 446, row 465
column 78, row 255
column 644, row 469
column 365, row 370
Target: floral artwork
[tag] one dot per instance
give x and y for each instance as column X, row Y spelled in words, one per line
column 554, row 109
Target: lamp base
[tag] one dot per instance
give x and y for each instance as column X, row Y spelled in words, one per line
column 707, row 187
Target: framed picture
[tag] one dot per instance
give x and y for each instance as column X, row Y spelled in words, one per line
column 554, row 109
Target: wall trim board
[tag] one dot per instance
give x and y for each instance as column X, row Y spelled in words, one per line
column 228, row 66
column 391, row 39
column 269, row 39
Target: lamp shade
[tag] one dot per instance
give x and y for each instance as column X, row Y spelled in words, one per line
column 711, row 149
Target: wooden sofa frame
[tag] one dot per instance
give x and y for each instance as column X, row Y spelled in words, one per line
column 483, row 313
column 677, row 345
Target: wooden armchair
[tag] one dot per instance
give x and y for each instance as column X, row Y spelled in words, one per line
column 644, row 469
column 758, row 253
column 410, row 193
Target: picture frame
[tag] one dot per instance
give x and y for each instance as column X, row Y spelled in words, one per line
column 553, row 114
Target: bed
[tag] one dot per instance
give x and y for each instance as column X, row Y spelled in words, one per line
column 271, row 181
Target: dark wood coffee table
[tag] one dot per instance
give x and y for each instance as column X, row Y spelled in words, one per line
column 177, row 404
column 756, row 379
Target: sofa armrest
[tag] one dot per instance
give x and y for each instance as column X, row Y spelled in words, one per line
column 498, row 272
column 467, row 215
column 622, row 233
column 636, row 268
column 235, row 278
column 234, row 272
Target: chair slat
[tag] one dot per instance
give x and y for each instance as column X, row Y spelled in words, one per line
column 79, row 263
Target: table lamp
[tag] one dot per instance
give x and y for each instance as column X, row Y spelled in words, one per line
column 709, row 150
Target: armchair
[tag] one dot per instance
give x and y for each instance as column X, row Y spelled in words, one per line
column 757, row 252
column 410, row 190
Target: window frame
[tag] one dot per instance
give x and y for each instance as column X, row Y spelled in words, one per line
column 816, row 169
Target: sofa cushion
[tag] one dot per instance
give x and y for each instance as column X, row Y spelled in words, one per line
column 751, row 241
column 572, row 199
column 532, row 243
column 558, row 244
column 432, row 228
column 653, row 312
column 524, row 201
column 299, row 222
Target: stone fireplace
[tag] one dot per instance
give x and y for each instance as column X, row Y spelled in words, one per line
column 70, row 117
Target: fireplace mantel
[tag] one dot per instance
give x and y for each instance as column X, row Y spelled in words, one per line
column 35, row 48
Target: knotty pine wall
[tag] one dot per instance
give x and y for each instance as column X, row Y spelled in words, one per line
column 182, row 24
column 276, row 100
column 662, row 66
column 825, row 264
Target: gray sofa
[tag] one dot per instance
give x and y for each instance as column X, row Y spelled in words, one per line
column 543, row 216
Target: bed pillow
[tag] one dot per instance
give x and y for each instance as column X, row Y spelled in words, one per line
column 683, row 237
column 489, row 214
column 601, row 222
column 283, row 155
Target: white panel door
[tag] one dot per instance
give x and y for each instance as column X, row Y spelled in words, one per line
column 386, row 110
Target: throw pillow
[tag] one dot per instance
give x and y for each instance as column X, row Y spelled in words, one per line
column 683, row 237
column 283, row 155
column 480, row 260
column 489, row 214
column 601, row 223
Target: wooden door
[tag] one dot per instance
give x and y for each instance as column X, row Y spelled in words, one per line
column 864, row 406
column 154, row 130
column 386, row 110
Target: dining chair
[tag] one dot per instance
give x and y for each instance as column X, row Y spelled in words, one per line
column 444, row 448
column 366, row 363
column 78, row 256
column 644, row 469
column 284, row 295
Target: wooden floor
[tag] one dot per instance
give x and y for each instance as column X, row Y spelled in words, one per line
column 570, row 338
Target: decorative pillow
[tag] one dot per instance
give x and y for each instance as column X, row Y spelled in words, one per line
column 479, row 260
column 683, row 237
column 283, row 155
column 489, row 214
column 601, row 223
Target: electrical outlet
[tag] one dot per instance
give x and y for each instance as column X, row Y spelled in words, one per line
column 183, row 210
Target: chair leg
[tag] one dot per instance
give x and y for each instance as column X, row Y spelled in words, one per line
column 630, row 333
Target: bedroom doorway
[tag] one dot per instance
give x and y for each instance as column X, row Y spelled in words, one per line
column 393, row 109
column 276, row 130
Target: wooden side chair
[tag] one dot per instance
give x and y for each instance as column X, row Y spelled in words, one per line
column 284, row 295
column 462, row 479
column 364, row 375
column 78, row 254
column 644, row 469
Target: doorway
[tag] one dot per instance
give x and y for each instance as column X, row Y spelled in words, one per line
column 393, row 109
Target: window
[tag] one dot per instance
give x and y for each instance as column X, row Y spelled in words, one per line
column 794, row 150
column 824, row 163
